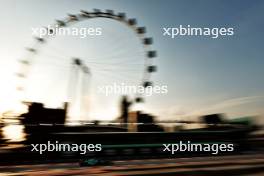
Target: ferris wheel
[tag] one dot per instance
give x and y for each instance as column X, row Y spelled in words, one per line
column 112, row 58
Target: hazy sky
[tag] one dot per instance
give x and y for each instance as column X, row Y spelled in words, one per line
column 203, row 75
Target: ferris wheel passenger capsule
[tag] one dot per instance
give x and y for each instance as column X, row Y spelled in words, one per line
column 50, row 31
column 148, row 41
column 97, row 12
column 132, row 22
column 151, row 54
column 40, row 39
column 152, row 68
column 121, row 16
column 60, row 23
column 73, row 17
column 85, row 13
column 141, row 30
column 139, row 100
column 147, row 84
column 31, row 50
column 25, row 62
column 109, row 12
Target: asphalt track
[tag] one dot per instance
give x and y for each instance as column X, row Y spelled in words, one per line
column 246, row 164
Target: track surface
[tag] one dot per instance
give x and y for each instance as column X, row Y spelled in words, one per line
column 249, row 164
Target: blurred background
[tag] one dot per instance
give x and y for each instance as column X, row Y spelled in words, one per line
column 50, row 85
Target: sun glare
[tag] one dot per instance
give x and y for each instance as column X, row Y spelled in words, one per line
column 13, row 133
